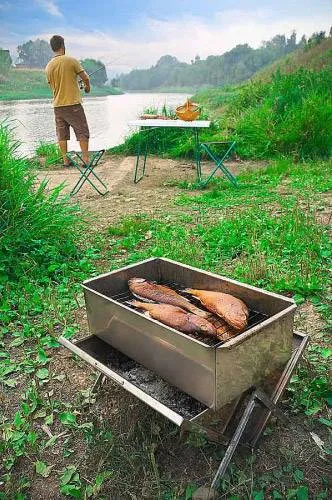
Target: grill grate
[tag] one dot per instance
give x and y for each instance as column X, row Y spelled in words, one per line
column 254, row 319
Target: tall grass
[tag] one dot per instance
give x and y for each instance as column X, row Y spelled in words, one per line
column 290, row 115
column 37, row 226
column 50, row 152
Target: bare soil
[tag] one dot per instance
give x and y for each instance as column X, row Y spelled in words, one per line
column 153, row 194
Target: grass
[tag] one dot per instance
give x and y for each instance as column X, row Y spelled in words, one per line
column 315, row 58
column 32, row 84
column 40, row 264
column 290, row 116
column 265, row 233
column 50, row 152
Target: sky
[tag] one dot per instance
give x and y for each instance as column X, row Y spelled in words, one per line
column 127, row 34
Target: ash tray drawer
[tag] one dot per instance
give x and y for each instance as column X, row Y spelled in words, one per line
column 146, row 385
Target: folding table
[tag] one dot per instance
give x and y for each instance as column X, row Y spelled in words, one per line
column 145, row 126
column 87, row 171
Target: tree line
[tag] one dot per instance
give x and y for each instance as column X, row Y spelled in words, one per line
column 232, row 67
column 37, row 53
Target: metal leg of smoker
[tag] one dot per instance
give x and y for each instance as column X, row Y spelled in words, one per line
column 100, row 380
column 268, row 407
column 263, row 418
column 257, row 396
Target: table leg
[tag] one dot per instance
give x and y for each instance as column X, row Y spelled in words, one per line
column 137, row 176
column 197, row 154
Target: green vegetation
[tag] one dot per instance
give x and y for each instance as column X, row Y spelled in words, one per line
column 272, row 232
column 315, row 57
column 50, row 153
column 290, row 115
column 232, row 67
column 97, row 70
column 25, row 84
column 40, row 268
column 34, row 53
column 264, row 233
column 5, row 64
column 32, row 84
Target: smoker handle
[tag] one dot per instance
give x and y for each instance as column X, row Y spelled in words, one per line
column 92, row 361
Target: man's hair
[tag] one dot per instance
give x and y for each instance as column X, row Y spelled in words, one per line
column 57, row 42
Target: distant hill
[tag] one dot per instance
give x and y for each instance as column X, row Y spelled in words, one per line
column 232, row 67
column 32, row 84
column 314, row 58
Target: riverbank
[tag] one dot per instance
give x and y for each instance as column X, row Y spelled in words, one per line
column 24, row 84
column 108, row 118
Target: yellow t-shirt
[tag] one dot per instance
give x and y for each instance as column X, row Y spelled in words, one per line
column 61, row 74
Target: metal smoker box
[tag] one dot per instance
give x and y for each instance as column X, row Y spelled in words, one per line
column 212, row 374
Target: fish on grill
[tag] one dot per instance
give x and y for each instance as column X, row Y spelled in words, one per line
column 234, row 311
column 177, row 318
column 144, row 289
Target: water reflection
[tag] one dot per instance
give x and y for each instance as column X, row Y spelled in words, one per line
column 107, row 116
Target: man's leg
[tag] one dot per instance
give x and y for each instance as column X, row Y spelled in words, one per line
column 84, row 145
column 64, row 148
column 63, row 132
column 80, row 126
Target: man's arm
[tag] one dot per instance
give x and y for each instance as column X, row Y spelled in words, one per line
column 86, row 80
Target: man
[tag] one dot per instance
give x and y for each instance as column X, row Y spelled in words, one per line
column 62, row 72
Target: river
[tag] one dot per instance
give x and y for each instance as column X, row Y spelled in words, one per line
column 108, row 116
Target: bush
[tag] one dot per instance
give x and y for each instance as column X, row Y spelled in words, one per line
column 51, row 152
column 291, row 115
column 38, row 228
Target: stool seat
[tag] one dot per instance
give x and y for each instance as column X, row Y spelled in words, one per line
column 87, row 171
column 218, row 158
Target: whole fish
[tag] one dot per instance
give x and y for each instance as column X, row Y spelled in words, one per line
column 232, row 310
column 142, row 288
column 177, row 318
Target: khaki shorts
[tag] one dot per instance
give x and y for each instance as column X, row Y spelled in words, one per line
column 71, row 116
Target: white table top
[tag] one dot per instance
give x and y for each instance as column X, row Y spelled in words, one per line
column 170, row 123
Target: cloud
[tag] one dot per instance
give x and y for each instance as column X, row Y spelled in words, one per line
column 50, row 7
column 143, row 44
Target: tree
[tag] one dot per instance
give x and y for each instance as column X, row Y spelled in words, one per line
column 303, row 41
column 316, row 38
column 34, row 54
column 231, row 67
column 167, row 61
column 291, row 42
column 98, row 78
column 5, row 63
column 115, row 82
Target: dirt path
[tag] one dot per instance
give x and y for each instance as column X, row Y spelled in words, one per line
column 152, row 195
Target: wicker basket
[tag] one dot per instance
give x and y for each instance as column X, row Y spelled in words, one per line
column 188, row 112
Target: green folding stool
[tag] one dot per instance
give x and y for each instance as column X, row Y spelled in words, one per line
column 87, row 171
column 218, row 159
